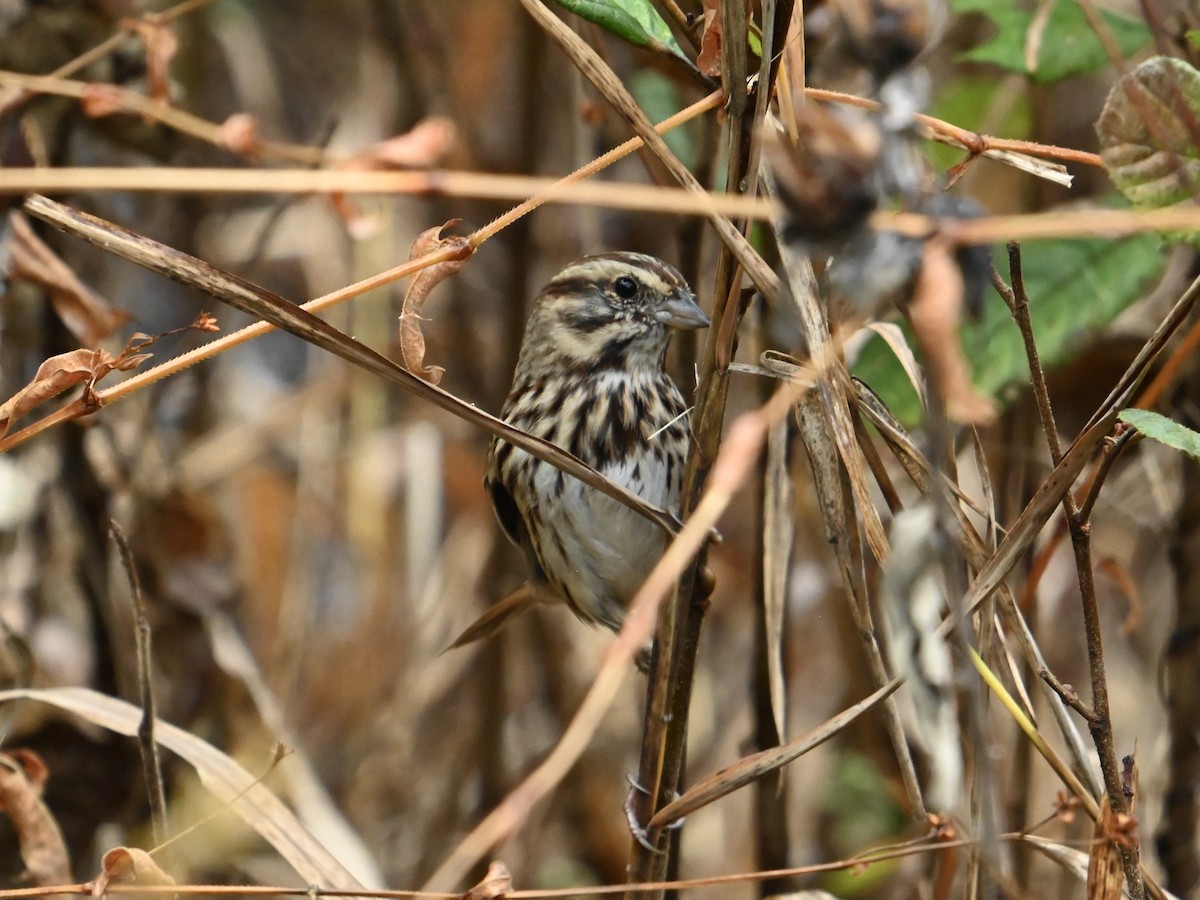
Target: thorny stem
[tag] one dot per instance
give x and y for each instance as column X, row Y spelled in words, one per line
column 1080, row 529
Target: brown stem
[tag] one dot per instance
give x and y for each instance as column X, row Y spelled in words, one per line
column 1068, row 694
column 1080, row 529
column 151, row 766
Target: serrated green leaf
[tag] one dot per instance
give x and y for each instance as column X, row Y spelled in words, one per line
column 1074, row 287
column 1164, row 430
column 637, row 21
column 1068, row 45
column 1147, row 133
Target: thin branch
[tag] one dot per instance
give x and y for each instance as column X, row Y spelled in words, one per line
column 1098, row 717
column 967, row 140
column 151, row 765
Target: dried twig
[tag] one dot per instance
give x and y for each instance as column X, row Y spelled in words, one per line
column 151, row 765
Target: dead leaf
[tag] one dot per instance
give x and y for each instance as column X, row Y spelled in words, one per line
column 426, row 143
column 86, row 314
column 222, row 775
column 54, row 376
column 239, row 133
column 750, row 768
column 99, row 100
column 709, row 59
column 43, row 850
column 161, row 45
column 1106, row 877
column 496, row 884
column 128, row 865
column 412, row 341
column 935, row 312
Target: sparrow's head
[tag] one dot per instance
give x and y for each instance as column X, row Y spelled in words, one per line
column 611, row 310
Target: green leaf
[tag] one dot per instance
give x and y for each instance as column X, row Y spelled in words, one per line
column 1164, row 430
column 1074, row 287
column 1067, row 45
column 1193, row 37
column 637, row 21
column 1147, row 133
column 659, row 97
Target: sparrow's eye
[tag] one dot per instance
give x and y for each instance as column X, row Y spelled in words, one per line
column 625, row 287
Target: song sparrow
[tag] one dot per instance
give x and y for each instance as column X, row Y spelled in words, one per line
column 590, row 379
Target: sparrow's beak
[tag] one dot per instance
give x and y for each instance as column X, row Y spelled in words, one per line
column 680, row 310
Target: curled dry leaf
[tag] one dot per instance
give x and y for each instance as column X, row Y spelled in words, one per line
column 86, row 314
column 709, row 60
column 43, row 850
column 161, row 46
column 61, row 373
column 239, row 133
column 935, row 312
column 128, row 865
column 99, row 100
column 495, row 885
column 412, row 341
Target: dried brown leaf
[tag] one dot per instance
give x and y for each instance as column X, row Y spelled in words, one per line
column 239, row 133
column 935, row 312
column 128, row 865
column 55, row 375
column 221, row 774
column 1105, row 876
column 86, row 314
column 495, row 885
column 779, row 524
column 412, row 341
column 427, row 142
column 161, row 46
column 709, row 59
column 750, row 768
column 43, row 850
column 99, row 100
